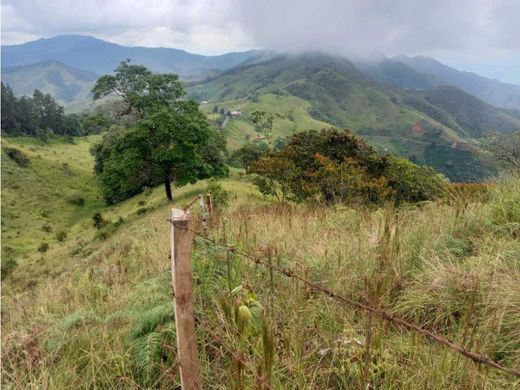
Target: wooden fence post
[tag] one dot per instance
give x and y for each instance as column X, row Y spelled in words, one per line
column 181, row 238
column 209, row 204
column 203, row 214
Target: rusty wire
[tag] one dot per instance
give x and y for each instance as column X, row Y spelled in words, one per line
column 382, row 313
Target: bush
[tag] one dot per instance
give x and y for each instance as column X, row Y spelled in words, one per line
column 44, row 247
column 7, row 267
column 99, row 221
column 470, row 192
column 335, row 166
column 61, row 236
column 414, row 183
column 219, row 195
column 76, row 200
column 141, row 210
column 243, row 157
column 47, row 228
column 18, row 157
column 108, row 229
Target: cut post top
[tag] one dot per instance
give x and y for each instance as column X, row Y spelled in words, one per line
column 181, row 215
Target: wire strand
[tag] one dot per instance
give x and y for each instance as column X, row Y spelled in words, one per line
column 384, row 314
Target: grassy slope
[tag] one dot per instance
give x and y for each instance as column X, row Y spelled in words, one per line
column 453, row 269
column 295, row 111
column 36, row 195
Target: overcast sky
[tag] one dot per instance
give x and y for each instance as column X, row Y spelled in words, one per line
column 475, row 35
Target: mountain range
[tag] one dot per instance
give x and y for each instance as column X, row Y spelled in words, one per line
column 414, row 106
column 100, row 57
column 439, row 127
column 427, row 73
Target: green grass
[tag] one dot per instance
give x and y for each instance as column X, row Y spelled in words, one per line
column 38, row 195
column 93, row 313
column 295, row 112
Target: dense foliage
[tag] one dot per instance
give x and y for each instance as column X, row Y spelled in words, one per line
column 139, row 88
column 336, row 166
column 171, row 142
column 42, row 115
column 245, row 155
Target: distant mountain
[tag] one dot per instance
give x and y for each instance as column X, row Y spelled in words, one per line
column 491, row 91
column 471, row 114
column 398, row 74
column 100, row 57
column 66, row 83
column 439, row 127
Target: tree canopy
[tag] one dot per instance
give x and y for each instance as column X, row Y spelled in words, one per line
column 41, row 115
column 336, row 166
column 139, row 88
column 171, row 142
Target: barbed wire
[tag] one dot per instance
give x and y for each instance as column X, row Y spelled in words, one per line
column 382, row 313
column 191, row 203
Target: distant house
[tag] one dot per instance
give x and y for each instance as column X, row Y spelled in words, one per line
column 233, row 114
column 204, row 102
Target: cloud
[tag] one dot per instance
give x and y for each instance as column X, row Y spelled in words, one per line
column 202, row 26
column 480, row 30
column 388, row 26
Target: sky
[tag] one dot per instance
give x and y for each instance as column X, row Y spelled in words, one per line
column 474, row 35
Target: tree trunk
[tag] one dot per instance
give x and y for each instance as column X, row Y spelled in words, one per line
column 168, row 187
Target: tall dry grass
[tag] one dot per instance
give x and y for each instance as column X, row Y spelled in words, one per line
column 107, row 321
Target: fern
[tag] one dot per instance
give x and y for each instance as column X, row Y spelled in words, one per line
column 151, row 335
column 152, row 319
column 146, row 356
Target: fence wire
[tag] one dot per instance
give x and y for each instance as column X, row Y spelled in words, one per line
column 382, row 313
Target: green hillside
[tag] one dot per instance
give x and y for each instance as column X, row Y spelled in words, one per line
column 58, row 192
column 65, row 83
column 50, row 195
column 95, row 311
column 417, row 125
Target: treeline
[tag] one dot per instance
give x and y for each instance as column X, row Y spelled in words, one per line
column 40, row 115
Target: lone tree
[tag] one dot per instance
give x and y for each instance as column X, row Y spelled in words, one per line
column 171, row 142
column 140, row 89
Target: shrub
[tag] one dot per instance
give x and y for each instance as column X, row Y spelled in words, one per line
column 47, row 228
column 108, row 229
column 18, row 157
column 336, row 166
column 219, row 195
column 99, row 221
column 7, row 267
column 44, row 247
column 414, row 183
column 141, row 210
column 141, row 203
column 147, row 191
column 61, row 236
column 76, row 200
column 243, row 157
